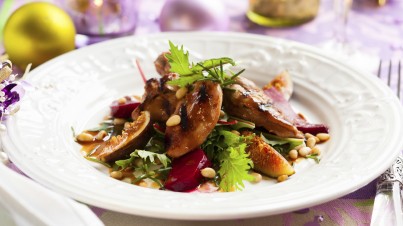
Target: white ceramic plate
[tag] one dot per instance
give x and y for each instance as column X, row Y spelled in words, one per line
column 75, row 90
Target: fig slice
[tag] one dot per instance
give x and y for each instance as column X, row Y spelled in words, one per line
column 135, row 136
column 282, row 83
column 266, row 159
column 186, row 171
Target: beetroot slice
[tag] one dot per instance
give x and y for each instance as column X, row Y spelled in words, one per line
column 285, row 108
column 185, row 174
column 313, row 128
column 123, row 110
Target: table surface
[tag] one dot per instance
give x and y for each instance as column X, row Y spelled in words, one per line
column 374, row 31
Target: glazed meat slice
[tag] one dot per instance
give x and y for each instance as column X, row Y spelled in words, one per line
column 245, row 100
column 161, row 64
column 158, row 99
column 199, row 112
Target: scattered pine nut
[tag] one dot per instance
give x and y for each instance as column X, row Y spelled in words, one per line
column 100, row 135
column 143, row 184
column 257, row 177
column 122, row 101
column 236, row 132
column 304, row 151
column 173, row 120
column 127, row 180
column 222, row 114
column 282, row 178
column 85, row 137
column 299, row 146
column 119, row 121
column 311, row 142
column 180, row 93
column 308, row 135
column 323, row 136
column 116, row 174
column 315, row 150
column 293, row 154
column 208, row 172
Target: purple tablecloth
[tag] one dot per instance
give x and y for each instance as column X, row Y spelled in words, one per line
column 375, row 31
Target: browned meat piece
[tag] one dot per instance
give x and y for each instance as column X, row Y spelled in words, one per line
column 161, row 64
column 199, row 111
column 159, row 99
column 247, row 101
column 266, row 159
column 135, row 136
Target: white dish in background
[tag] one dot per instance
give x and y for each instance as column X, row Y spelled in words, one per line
column 75, row 90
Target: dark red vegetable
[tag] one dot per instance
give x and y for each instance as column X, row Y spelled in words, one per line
column 313, row 128
column 185, row 174
column 123, row 110
column 289, row 114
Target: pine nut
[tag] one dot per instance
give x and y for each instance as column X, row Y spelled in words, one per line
column 236, row 132
column 180, row 93
column 119, row 121
column 85, row 137
column 315, row 150
column 122, row 101
column 293, row 154
column 323, row 136
column 257, row 177
column 116, row 174
column 173, row 120
column 138, row 162
column 311, row 142
column 101, row 134
column 222, row 114
column 127, row 180
column 300, row 146
column 208, row 172
column 308, row 135
column 143, row 184
column 282, row 178
column 304, row 151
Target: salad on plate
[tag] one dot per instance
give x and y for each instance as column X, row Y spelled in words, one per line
column 203, row 127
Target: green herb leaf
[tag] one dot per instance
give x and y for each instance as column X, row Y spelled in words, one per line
column 189, row 73
column 314, row 157
column 282, row 145
column 212, row 63
column 151, row 156
column 125, row 163
column 178, row 60
column 235, row 166
column 92, row 159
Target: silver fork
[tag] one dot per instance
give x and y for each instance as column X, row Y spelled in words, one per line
column 388, row 201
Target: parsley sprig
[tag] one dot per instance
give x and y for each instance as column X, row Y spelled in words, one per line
column 228, row 150
column 189, row 73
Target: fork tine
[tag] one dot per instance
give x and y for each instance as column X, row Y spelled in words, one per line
column 390, row 73
column 399, row 70
column 379, row 68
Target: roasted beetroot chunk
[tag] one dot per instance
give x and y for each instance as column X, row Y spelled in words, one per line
column 185, row 174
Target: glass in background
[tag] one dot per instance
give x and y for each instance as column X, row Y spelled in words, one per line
column 282, row 13
column 99, row 20
column 340, row 46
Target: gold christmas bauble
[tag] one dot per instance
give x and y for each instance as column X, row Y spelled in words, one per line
column 37, row 32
